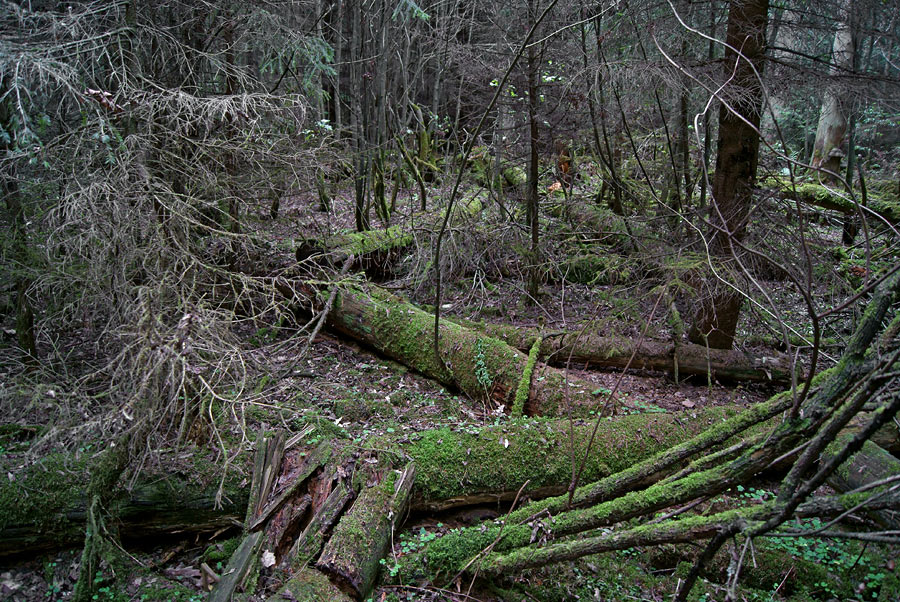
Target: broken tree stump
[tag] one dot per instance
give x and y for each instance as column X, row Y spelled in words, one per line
column 238, row 570
column 313, row 537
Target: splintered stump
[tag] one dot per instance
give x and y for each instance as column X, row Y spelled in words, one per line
column 311, row 540
column 361, row 538
column 239, row 567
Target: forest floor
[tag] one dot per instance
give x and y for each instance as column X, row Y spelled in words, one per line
column 348, row 391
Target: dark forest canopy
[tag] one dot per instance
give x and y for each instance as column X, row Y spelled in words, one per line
column 328, row 260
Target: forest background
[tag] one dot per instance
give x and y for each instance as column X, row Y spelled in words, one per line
column 432, row 263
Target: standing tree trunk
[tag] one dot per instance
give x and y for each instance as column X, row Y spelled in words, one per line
column 9, row 190
column 832, row 127
column 715, row 323
column 534, row 274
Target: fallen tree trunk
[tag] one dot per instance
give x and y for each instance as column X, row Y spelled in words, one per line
column 45, row 506
column 882, row 203
column 683, row 530
column 463, row 467
column 840, row 394
column 377, row 251
column 870, row 465
column 482, row 367
column 590, row 348
column 454, row 468
column 361, row 538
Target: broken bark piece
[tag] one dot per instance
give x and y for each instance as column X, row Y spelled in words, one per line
column 285, row 524
column 591, row 349
column 238, row 570
column 361, row 538
column 269, row 451
column 311, row 540
column 313, row 461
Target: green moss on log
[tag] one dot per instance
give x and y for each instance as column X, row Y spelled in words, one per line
column 882, row 197
column 309, row 585
column 492, row 460
column 525, row 382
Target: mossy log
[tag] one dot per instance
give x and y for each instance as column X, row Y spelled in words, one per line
column 870, row 465
column 462, row 467
column 44, row 507
column 882, row 200
column 359, row 541
column 376, row 251
column 482, row 164
column 309, row 585
column 681, row 530
column 591, row 349
column 455, row 468
column 597, row 225
column 837, row 395
column 484, row 368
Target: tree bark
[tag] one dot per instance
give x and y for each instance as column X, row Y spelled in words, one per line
column 832, row 126
column 153, row 509
column 715, row 323
column 870, row 465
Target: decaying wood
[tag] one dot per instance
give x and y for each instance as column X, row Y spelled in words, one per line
column 160, row 506
column 839, row 394
column 359, row 541
column 285, row 524
column 836, row 199
column 376, row 251
column 629, row 452
column 679, row 531
column 309, row 585
column 239, row 567
column 311, row 540
column 265, row 469
column 591, row 349
column 318, row 457
column 446, row 478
